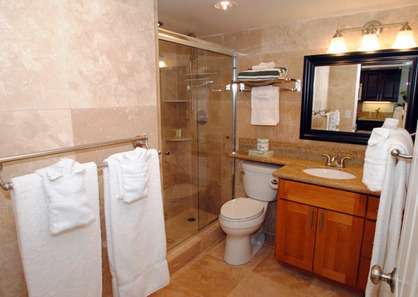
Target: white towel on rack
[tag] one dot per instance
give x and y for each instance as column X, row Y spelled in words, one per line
column 130, row 169
column 136, row 236
column 67, row 265
column 67, row 201
column 377, row 158
column 265, row 106
column 392, row 199
column 264, row 66
column 333, row 120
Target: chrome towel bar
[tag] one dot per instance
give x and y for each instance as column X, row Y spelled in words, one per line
column 137, row 141
column 397, row 154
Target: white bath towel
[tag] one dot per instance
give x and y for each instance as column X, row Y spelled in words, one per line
column 65, row 187
column 333, row 120
column 378, row 158
column 136, row 236
column 67, row 265
column 265, row 106
column 130, row 169
column 392, row 200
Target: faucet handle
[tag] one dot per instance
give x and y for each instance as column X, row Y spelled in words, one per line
column 328, row 161
column 341, row 164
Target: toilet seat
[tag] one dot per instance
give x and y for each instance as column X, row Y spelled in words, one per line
column 242, row 209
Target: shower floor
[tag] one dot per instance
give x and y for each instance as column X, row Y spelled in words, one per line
column 185, row 224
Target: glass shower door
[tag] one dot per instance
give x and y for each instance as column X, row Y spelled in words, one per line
column 196, row 136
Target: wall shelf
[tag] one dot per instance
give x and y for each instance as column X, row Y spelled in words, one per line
column 247, row 84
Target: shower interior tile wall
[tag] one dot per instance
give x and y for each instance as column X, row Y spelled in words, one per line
column 196, row 167
column 73, row 72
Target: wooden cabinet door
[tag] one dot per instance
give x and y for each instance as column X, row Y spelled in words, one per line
column 338, row 245
column 295, row 240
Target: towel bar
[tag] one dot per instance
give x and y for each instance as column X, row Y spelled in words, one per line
column 397, row 154
column 137, row 141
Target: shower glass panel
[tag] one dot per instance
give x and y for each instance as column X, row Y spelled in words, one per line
column 196, row 125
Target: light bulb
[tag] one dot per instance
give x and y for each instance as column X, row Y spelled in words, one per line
column 337, row 45
column 405, row 38
column 369, row 42
column 225, row 5
column 162, row 63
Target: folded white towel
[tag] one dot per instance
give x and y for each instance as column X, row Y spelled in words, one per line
column 381, row 142
column 264, row 66
column 67, row 265
column 265, row 106
column 136, row 236
column 130, row 170
column 68, row 205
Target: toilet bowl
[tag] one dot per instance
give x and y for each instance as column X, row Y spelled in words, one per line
column 241, row 218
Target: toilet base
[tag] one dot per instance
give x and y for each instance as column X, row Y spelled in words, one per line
column 240, row 249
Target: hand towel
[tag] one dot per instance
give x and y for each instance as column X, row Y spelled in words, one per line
column 130, row 169
column 136, row 236
column 67, row 265
column 265, row 106
column 392, row 200
column 67, row 201
column 333, row 120
column 377, row 158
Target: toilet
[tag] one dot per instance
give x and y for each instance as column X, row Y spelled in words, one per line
column 241, row 218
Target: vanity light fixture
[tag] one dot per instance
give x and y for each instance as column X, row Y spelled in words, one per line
column 337, row 45
column 405, row 38
column 225, row 5
column 370, row 39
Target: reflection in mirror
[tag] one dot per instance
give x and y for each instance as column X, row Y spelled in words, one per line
column 358, row 97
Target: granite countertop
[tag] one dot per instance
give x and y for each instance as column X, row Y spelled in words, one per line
column 292, row 169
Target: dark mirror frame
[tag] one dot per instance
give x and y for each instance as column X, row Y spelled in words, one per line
column 310, row 62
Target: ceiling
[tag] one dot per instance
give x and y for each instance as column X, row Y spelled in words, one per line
column 201, row 18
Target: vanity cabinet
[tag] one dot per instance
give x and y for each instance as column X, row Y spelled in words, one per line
column 324, row 231
column 296, row 233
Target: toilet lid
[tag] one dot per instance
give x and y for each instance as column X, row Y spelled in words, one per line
column 242, row 208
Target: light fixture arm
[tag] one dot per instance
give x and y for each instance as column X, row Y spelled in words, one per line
column 374, row 27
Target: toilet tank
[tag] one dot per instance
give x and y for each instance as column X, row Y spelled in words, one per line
column 259, row 182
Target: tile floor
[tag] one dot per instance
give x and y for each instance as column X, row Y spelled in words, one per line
column 179, row 227
column 208, row 276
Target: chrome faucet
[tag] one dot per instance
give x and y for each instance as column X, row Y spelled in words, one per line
column 333, row 161
column 330, row 160
column 341, row 163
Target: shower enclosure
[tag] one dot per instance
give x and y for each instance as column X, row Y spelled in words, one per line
column 196, row 124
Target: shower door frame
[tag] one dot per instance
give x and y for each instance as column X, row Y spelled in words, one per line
column 171, row 36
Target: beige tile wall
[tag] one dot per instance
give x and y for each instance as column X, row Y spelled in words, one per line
column 287, row 45
column 71, row 72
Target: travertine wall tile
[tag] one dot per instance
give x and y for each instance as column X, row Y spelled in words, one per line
column 72, row 72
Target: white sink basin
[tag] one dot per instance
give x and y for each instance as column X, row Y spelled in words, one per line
column 329, row 173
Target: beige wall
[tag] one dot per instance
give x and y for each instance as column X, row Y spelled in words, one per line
column 287, row 45
column 71, row 72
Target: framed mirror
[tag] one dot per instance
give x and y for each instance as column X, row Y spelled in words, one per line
column 346, row 96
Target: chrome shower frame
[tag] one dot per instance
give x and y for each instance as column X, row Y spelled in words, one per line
column 178, row 38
